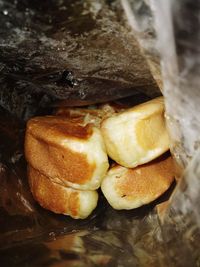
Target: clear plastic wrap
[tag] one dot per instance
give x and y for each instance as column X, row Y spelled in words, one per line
column 176, row 24
column 69, row 53
column 39, row 42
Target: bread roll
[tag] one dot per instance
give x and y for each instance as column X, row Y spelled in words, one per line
column 131, row 188
column 137, row 135
column 68, row 152
column 93, row 114
column 59, row 199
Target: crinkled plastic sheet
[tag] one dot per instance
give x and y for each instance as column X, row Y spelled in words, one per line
column 67, row 52
column 40, row 41
column 176, row 24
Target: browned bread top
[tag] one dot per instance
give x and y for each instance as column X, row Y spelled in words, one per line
column 71, row 154
column 131, row 188
column 60, row 199
column 53, row 128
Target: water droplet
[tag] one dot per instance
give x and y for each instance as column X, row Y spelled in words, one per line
column 5, row 12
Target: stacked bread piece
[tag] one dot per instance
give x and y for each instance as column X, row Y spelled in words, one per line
column 135, row 139
column 67, row 157
column 67, row 161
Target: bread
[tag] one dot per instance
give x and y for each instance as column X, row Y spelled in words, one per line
column 136, row 135
column 67, row 152
column 92, row 115
column 68, row 160
column 61, row 199
column 126, row 188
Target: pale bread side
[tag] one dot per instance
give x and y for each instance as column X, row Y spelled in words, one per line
column 136, row 135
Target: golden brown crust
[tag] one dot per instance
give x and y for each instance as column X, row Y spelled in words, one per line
column 52, row 196
column 54, row 127
column 47, row 149
column 131, row 188
column 71, row 159
column 151, row 179
column 61, row 199
column 57, row 162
